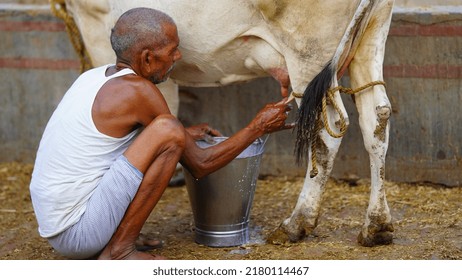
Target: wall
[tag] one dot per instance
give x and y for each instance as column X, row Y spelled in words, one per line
column 426, row 3
column 423, row 71
column 37, row 65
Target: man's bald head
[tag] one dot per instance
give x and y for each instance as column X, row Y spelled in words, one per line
column 139, row 28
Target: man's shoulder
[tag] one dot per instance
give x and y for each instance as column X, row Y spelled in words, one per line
column 132, row 91
column 133, row 84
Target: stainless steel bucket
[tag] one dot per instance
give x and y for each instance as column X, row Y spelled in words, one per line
column 221, row 201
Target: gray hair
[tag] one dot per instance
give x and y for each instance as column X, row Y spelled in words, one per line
column 139, row 28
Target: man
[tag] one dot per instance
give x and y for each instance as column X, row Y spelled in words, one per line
column 111, row 147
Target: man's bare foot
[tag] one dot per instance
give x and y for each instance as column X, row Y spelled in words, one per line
column 145, row 243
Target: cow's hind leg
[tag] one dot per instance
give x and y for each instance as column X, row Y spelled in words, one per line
column 374, row 110
column 305, row 215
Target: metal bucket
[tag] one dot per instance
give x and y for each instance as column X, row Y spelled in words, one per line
column 221, row 201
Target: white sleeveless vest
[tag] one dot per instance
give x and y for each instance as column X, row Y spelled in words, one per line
column 73, row 155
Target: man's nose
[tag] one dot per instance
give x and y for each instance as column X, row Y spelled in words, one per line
column 178, row 55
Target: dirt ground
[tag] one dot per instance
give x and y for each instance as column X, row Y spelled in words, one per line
column 427, row 220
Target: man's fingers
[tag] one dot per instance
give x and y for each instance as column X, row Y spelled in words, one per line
column 283, row 101
column 209, row 139
column 215, row 132
column 289, row 125
column 286, row 106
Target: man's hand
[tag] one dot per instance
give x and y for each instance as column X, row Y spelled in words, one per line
column 203, row 132
column 273, row 117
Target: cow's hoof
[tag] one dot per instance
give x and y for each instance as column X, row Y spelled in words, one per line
column 375, row 235
column 284, row 233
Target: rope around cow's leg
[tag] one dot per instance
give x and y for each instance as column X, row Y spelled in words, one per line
column 314, row 143
column 322, row 119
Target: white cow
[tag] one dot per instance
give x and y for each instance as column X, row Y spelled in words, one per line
column 303, row 44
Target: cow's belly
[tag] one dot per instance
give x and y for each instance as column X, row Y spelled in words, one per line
column 243, row 59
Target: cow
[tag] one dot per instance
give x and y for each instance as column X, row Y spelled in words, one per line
column 306, row 45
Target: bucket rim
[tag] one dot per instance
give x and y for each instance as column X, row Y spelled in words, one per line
column 258, row 144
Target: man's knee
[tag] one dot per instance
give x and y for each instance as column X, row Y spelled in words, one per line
column 167, row 128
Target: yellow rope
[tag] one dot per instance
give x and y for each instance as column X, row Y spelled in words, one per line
column 330, row 97
column 58, row 7
column 314, row 144
column 323, row 120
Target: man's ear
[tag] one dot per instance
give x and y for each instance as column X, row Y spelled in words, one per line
column 146, row 57
column 146, row 60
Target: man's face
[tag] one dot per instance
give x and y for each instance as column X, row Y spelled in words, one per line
column 166, row 57
column 158, row 78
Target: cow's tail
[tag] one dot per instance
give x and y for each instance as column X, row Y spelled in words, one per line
column 310, row 109
column 311, row 103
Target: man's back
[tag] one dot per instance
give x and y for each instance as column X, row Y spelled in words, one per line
column 73, row 155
